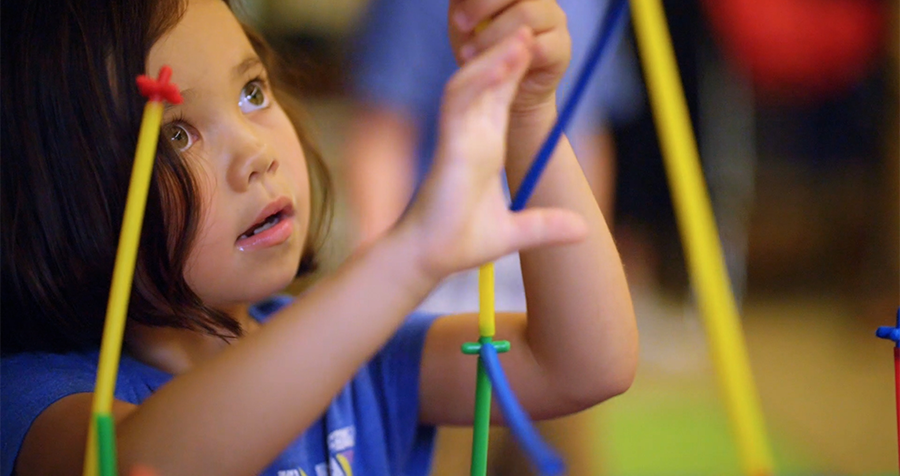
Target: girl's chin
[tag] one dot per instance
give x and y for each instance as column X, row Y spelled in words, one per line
column 242, row 286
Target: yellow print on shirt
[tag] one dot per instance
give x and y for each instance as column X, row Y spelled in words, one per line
column 345, row 465
column 341, row 442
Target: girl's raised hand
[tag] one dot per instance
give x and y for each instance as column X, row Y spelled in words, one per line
column 460, row 218
column 477, row 25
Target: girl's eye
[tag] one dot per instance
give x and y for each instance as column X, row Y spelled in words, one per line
column 178, row 136
column 253, row 97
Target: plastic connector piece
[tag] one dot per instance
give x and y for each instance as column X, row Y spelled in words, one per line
column 890, row 333
column 474, row 348
column 159, row 89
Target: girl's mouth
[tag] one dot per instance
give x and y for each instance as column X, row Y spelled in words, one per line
column 266, row 224
column 273, row 228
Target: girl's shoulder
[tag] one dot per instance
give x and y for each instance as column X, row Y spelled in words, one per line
column 27, row 375
column 41, row 378
column 32, row 381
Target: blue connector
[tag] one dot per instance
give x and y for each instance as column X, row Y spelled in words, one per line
column 891, row 333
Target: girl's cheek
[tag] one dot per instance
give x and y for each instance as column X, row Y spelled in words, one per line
column 205, row 173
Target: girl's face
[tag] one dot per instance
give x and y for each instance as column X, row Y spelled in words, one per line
column 245, row 154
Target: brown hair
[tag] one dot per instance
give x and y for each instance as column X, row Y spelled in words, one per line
column 70, row 116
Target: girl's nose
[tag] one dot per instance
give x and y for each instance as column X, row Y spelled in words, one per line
column 252, row 159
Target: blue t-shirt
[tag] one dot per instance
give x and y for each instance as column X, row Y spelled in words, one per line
column 370, row 428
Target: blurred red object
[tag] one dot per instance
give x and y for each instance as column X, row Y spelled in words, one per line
column 142, row 471
column 800, row 50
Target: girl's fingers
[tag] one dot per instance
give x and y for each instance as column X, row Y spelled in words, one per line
column 551, row 49
column 466, row 14
column 477, row 101
column 504, row 62
column 539, row 15
column 536, row 227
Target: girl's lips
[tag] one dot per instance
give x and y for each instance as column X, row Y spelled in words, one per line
column 275, row 235
column 273, row 225
column 280, row 205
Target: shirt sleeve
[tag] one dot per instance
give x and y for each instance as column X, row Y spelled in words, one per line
column 396, row 371
column 31, row 383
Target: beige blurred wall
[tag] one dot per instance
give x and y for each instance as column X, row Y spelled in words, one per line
column 322, row 17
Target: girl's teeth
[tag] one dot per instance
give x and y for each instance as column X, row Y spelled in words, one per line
column 269, row 223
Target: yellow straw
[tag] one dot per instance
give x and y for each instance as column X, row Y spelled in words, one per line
column 123, row 274
column 700, row 237
column 486, row 313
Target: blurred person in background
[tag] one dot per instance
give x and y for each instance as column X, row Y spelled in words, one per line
column 401, row 61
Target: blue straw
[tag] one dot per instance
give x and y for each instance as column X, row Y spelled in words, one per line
column 541, row 455
column 610, row 21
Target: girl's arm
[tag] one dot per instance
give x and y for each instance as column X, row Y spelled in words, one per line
column 232, row 415
column 578, row 345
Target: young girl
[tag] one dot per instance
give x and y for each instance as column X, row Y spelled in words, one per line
column 217, row 376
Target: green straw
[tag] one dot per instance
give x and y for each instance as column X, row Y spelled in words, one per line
column 106, row 444
column 483, row 391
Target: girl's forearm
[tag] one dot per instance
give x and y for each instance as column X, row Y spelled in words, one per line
column 581, row 323
column 232, row 415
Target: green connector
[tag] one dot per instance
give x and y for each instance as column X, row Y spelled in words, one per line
column 473, row 348
column 106, row 439
column 482, row 422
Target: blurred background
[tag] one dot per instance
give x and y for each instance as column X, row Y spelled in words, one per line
column 795, row 108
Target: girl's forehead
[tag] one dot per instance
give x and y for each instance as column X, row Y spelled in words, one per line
column 207, row 42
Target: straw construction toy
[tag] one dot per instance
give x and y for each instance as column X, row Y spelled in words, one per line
column 699, row 237
column 490, row 372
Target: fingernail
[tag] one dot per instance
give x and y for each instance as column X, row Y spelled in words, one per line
column 462, row 22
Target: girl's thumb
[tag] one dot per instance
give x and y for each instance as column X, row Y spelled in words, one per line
column 536, row 227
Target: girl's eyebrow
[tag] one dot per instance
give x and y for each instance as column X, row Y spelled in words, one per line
column 238, row 73
column 250, row 62
column 186, row 97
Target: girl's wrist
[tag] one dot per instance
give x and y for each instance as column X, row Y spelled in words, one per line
column 524, row 119
column 414, row 268
column 527, row 130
